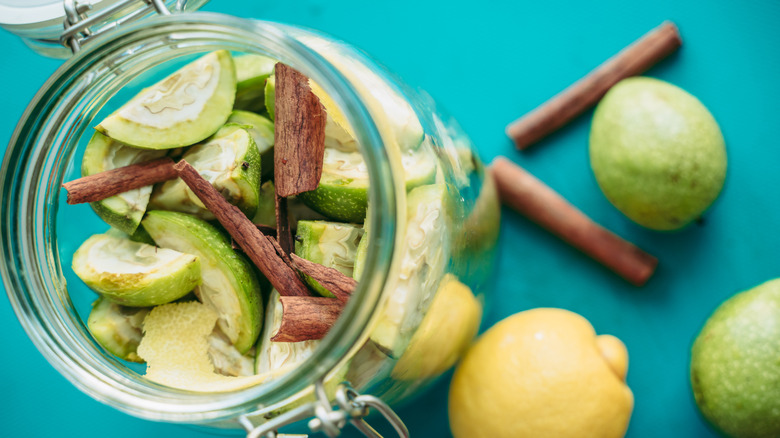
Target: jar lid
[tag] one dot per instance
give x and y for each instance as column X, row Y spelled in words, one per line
column 41, row 23
column 29, row 12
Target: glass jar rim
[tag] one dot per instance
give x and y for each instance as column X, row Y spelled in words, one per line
column 26, row 172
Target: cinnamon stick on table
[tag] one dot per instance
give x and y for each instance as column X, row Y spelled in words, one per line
column 254, row 244
column 568, row 104
column 529, row 196
column 103, row 185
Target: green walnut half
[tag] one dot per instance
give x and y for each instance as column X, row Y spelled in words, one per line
column 182, row 109
column 125, row 210
column 133, row 273
column 230, row 285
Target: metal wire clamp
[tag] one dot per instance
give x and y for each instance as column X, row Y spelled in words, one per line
column 80, row 27
column 352, row 408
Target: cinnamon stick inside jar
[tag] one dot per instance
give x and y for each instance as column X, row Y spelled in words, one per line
column 307, row 318
column 299, row 134
column 583, row 94
column 112, row 182
column 254, row 244
column 340, row 285
column 542, row 205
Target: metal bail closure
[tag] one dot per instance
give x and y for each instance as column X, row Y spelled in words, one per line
column 352, row 407
column 80, row 28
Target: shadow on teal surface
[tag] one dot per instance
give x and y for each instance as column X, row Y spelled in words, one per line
column 488, row 64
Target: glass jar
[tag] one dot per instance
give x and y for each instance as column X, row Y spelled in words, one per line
column 385, row 343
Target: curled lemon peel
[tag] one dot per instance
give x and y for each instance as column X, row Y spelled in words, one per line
column 175, row 347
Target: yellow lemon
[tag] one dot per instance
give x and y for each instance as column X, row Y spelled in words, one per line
column 542, row 373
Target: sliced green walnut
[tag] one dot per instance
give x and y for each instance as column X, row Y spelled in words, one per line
column 251, row 73
column 182, row 109
column 230, row 162
column 133, row 273
column 117, row 328
column 330, row 244
column 362, row 250
column 262, row 131
column 140, row 235
column 369, row 366
column 226, row 358
column 458, row 160
column 272, row 356
column 298, row 211
column 425, row 257
column 125, row 210
column 266, row 206
column 230, row 285
column 343, row 191
column 270, row 93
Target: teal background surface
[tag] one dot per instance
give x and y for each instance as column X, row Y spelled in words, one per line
column 489, row 62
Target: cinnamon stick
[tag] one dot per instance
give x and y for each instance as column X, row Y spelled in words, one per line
column 103, row 185
column 282, row 253
column 307, row 318
column 568, row 104
column 299, row 133
column 265, row 229
column 529, row 196
column 254, row 244
column 283, row 231
column 331, row 279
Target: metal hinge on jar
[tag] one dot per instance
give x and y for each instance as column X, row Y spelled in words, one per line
column 80, row 27
column 352, row 407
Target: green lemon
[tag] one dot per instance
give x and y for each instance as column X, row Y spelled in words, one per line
column 735, row 364
column 657, row 153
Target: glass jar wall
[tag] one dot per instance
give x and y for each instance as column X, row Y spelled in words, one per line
column 431, row 230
